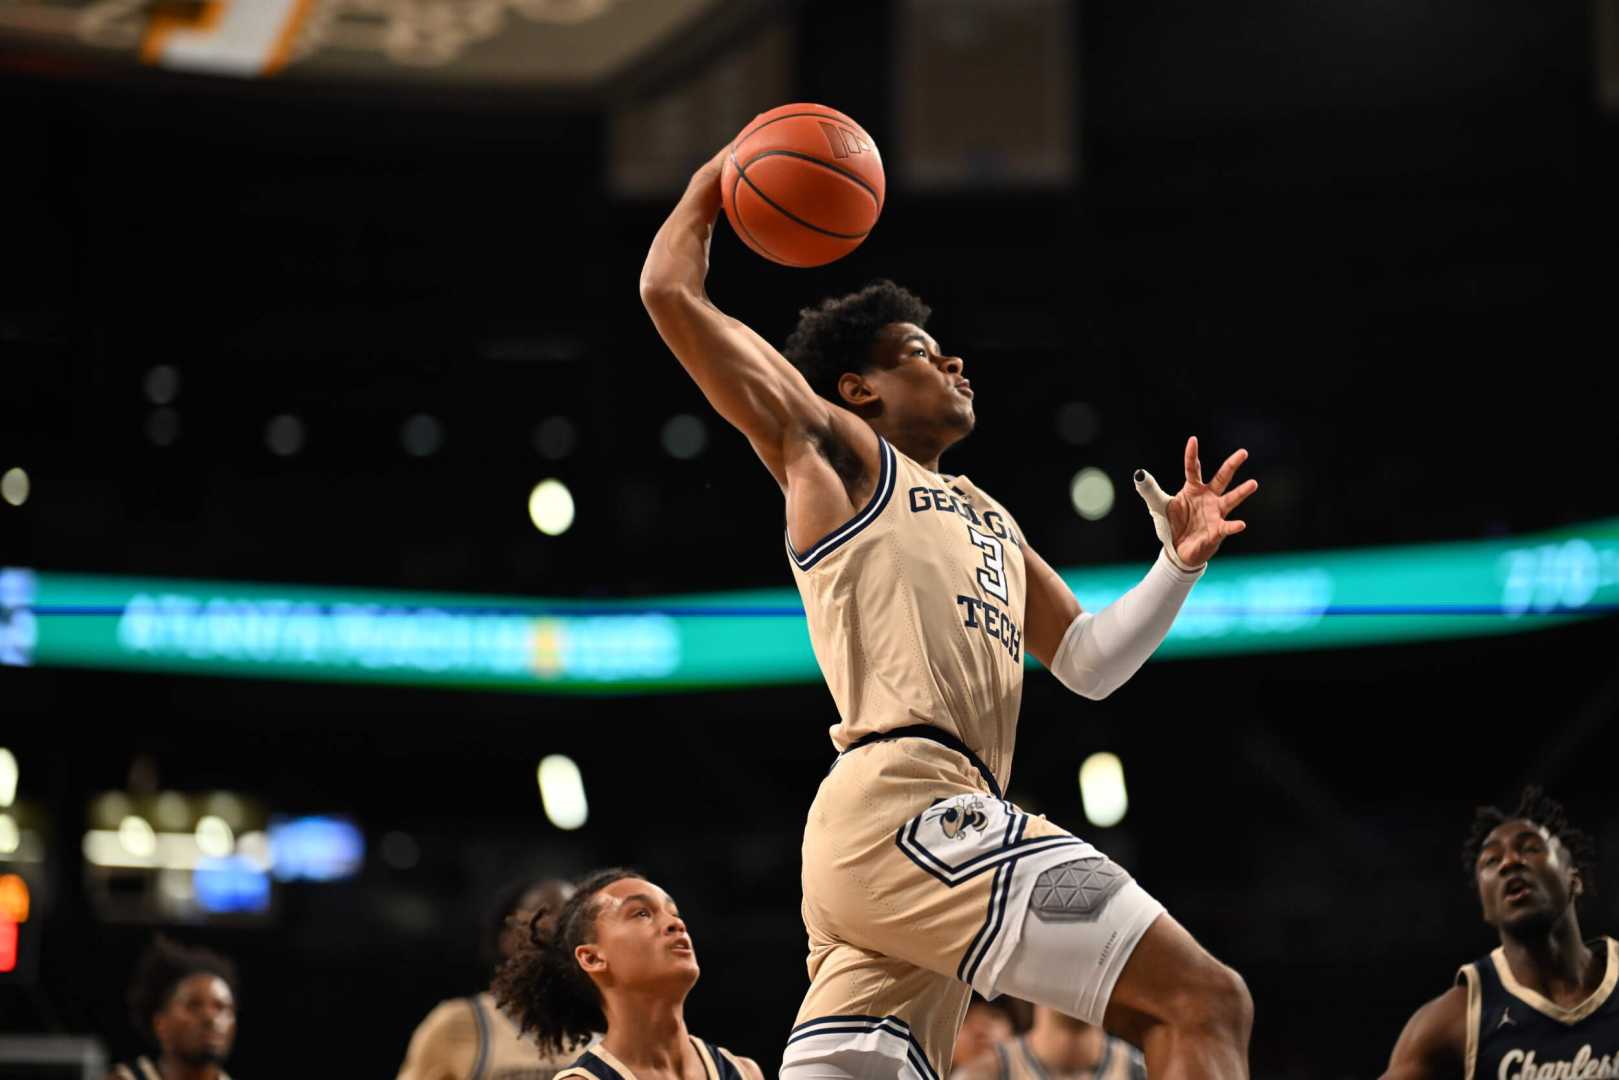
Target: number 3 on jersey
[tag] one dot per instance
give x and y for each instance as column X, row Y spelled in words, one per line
column 993, row 576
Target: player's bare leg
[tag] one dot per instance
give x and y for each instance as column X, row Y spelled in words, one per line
column 1190, row 1014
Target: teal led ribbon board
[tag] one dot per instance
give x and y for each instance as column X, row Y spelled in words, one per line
column 1245, row 604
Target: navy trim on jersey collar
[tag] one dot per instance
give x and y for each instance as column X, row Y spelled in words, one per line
column 843, row 534
column 480, row 1062
column 596, row 1067
column 722, row 1064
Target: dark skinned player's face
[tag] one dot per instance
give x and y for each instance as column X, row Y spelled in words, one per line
column 919, row 384
column 1526, row 879
column 641, row 941
column 197, row 1025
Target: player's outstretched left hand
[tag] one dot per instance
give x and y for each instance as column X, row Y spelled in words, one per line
column 1195, row 518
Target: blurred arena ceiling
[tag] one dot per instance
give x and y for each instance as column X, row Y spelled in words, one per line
column 564, row 46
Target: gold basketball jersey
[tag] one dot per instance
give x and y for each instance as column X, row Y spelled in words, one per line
column 915, row 611
column 471, row 1039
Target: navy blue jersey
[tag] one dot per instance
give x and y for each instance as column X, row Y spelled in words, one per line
column 1514, row 1033
column 597, row 1064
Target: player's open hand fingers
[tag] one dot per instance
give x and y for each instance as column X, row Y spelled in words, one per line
column 1228, row 472
column 1233, row 499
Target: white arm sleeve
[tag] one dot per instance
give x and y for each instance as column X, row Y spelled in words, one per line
column 1101, row 650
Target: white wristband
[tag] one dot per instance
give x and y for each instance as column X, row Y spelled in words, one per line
column 1101, row 650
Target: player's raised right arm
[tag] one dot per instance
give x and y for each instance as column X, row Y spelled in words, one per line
column 746, row 380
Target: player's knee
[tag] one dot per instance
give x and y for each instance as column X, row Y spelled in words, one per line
column 1215, row 999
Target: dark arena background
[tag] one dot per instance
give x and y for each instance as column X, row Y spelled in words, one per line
column 296, row 319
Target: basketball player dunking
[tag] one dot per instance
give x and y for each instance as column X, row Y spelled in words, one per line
column 920, row 881
column 1542, row 1004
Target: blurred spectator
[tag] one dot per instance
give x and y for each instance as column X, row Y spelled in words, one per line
column 987, row 1023
column 1058, row 1046
column 182, row 1001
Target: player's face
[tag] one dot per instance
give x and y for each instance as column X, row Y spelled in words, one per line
column 641, row 941
column 983, row 1027
column 918, row 382
column 1526, row 879
column 198, row 1024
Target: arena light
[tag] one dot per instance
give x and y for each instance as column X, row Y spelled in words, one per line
column 109, row 808
column 10, row 835
column 1078, row 423
column 162, row 384
column 315, row 848
column 8, row 777
column 14, row 486
column 255, row 848
column 555, row 437
column 684, row 436
column 137, row 837
column 550, row 507
column 8, row 946
column 224, row 886
column 1101, row 790
column 284, row 435
column 1092, row 493
column 176, row 885
column 214, row 837
column 163, row 427
column 227, row 805
column 400, row 850
column 14, row 898
column 562, row 792
column 421, row 435
column 172, row 811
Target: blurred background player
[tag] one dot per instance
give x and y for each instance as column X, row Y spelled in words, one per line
column 469, row 1038
column 183, row 1002
column 615, row 959
column 922, row 596
column 1541, row 1004
column 987, row 1024
column 1058, row 1047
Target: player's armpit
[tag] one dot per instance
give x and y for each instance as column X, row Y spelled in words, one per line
column 1434, row 1040
column 743, row 377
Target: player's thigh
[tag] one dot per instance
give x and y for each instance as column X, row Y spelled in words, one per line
column 869, row 1015
column 1172, row 979
column 1078, row 919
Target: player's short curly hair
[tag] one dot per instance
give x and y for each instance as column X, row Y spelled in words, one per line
column 542, row 987
column 836, row 335
column 161, row 969
column 1533, row 805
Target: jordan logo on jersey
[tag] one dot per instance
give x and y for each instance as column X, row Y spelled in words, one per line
column 956, row 816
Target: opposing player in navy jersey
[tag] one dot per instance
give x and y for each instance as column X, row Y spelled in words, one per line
column 1542, row 1003
column 616, row 960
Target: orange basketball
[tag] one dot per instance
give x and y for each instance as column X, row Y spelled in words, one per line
column 802, row 185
